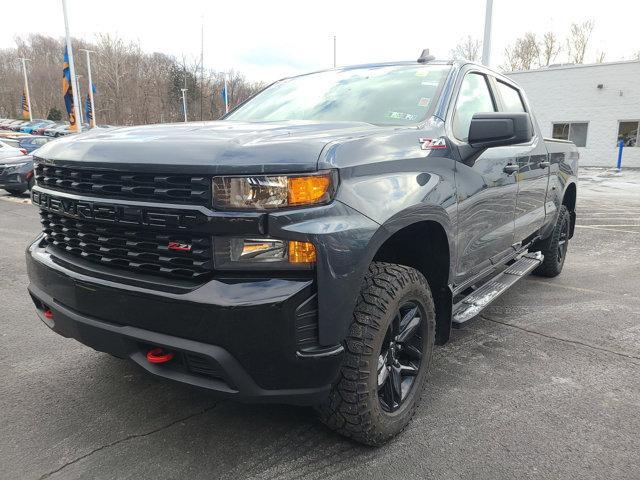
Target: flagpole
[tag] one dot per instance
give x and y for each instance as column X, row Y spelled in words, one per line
column 79, row 96
column 226, row 95
column 334, row 51
column 72, row 70
column 92, row 120
column 26, row 86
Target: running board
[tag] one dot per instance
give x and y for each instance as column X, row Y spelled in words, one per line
column 487, row 293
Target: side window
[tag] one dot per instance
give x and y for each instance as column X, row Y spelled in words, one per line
column 510, row 98
column 474, row 97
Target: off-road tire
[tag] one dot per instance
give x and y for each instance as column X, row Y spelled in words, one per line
column 353, row 407
column 550, row 247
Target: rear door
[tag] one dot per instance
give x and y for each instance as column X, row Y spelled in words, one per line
column 486, row 190
column 533, row 166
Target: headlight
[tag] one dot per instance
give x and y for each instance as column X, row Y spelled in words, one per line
column 265, row 192
column 236, row 253
column 13, row 166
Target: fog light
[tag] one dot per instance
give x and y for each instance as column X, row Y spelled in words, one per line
column 301, row 252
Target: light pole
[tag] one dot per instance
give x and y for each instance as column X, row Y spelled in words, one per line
column 486, row 43
column 334, row 51
column 26, row 86
column 226, row 94
column 72, row 70
column 81, row 117
column 184, row 102
column 92, row 120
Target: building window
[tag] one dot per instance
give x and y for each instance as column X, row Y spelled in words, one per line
column 628, row 132
column 576, row 132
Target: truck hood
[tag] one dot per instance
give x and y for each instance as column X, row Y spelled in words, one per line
column 220, row 147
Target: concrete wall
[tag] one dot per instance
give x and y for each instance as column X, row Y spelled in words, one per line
column 570, row 94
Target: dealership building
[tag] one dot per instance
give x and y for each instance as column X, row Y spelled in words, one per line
column 592, row 105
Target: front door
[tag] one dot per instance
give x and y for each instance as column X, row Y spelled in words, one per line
column 486, row 186
column 533, row 167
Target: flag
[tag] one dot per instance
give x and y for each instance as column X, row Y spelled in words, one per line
column 25, row 105
column 223, row 94
column 68, row 92
column 88, row 111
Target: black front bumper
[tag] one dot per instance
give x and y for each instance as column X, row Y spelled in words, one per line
column 236, row 337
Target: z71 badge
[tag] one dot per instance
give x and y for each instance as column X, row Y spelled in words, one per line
column 432, row 143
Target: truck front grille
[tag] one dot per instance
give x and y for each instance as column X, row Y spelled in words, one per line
column 132, row 248
column 194, row 190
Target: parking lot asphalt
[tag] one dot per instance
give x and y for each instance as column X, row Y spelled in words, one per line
column 545, row 383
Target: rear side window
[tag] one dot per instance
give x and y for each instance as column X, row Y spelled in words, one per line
column 511, row 99
column 474, row 97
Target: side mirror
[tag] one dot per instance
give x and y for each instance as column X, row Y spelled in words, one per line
column 499, row 129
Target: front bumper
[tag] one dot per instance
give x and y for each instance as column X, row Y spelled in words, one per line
column 235, row 337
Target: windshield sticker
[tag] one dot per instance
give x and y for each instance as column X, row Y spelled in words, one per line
column 423, row 72
column 424, row 102
column 401, row 116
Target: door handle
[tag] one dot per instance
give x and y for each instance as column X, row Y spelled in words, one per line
column 510, row 168
column 544, row 164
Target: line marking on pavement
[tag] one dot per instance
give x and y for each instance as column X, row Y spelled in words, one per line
column 581, row 289
column 608, row 229
column 560, row 339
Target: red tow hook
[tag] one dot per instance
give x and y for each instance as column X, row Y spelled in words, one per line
column 159, row 355
column 48, row 314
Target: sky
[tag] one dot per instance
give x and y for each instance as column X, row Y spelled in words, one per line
column 267, row 40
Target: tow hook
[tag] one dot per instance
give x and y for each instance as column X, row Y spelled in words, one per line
column 159, row 355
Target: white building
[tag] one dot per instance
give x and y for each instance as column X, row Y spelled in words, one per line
column 592, row 105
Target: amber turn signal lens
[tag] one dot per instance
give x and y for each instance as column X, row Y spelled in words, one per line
column 308, row 190
column 301, row 252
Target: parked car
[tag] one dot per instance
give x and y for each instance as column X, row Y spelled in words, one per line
column 314, row 245
column 7, row 150
column 13, row 124
column 66, row 130
column 16, row 174
column 33, row 142
column 52, row 131
column 29, row 127
column 11, row 134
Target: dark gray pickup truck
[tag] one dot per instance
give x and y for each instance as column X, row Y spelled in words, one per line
column 312, row 246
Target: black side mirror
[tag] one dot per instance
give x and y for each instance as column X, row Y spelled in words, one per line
column 499, row 129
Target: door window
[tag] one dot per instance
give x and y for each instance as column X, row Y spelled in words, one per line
column 511, row 100
column 474, row 97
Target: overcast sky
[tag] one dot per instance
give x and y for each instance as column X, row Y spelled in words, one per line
column 267, row 40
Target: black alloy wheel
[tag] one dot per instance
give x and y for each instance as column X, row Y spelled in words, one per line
column 400, row 357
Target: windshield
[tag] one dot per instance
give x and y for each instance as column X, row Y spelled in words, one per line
column 385, row 95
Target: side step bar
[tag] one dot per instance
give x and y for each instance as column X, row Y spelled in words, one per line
column 473, row 304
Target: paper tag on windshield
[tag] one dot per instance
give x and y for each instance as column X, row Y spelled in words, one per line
column 424, row 102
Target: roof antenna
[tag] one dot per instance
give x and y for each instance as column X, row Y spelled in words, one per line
column 425, row 57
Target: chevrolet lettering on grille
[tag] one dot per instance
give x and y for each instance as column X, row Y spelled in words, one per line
column 119, row 214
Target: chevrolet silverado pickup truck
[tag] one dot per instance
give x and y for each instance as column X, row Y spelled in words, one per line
column 312, row 246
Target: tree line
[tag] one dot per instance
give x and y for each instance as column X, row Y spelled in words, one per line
column 132, row 87
column 530, row 51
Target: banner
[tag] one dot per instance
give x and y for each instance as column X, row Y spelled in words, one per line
column 68, row 93
column 25, row 105
column 88, row 111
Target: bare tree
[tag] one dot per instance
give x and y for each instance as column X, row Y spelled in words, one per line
column 578, row 40
column 132, row 87
column 549, row 49
column 636, row 56
column 467, row 49
column 600, row 57
column 524, row 54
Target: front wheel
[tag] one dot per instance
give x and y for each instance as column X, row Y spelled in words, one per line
column 554, row 248
column 387, row 356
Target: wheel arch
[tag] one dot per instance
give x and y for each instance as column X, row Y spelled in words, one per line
column 426, row 246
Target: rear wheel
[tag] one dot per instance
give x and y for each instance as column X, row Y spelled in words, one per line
column 555, row 247
column 387, row 358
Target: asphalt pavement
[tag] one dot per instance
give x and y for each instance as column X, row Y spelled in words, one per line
column 544, row 384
